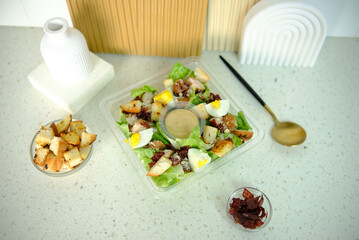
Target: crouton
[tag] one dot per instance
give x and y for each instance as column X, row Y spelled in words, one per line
column 201, row 75
column 209, row 134
column 160, row 167
column 71, row 138
column 201, row 110
column 147, row 98
column 84, row 152
column 53, row 162
column 243, row 134
column 69, row 147
column 222, row 147
column 77, row 126
column 132, row 107
column 40, row 156
column 168, row 153
column 87, row 139
column 230, row 121
column 58, row 146
column 168, row 83
column 64, row 124
column 157, row 145
column 54, row 128
column 72, row 158
column 156, row 109
column 44, row 137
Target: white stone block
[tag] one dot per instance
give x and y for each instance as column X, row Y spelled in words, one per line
column 72, row 97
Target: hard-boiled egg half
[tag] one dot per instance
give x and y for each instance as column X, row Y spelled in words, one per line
column 198, row 159
column 141, row 138
column 217, row 108
column 165, row 97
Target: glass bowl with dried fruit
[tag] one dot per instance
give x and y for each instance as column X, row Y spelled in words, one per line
column 249, row 209
column 62, row 147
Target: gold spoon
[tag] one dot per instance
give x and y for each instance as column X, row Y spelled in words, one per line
column 285, row 133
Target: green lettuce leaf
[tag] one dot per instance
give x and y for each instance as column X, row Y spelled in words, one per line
column 213, row 156
column 172, row 175
column 124, row 129
column 180, row 72
column 139, row 91
column 195, row 99
column 206, row 93
column 124, row 125
column 236, row 140
column 194, row 139
column 145, row 155
column 242, row 121
column 145, row 161
column 122, row 118
column 160, row 131
column 159, row 137
column 144, row 152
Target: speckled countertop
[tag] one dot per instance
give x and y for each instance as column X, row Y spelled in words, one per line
column 313, row 188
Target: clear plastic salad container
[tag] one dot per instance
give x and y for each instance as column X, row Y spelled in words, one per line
column 110, row 107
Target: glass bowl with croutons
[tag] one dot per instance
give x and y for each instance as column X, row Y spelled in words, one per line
column 62, row 147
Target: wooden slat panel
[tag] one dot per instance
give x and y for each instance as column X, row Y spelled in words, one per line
column 171, row 28
column 224, row 24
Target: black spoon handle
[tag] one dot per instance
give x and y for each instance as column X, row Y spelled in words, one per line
column 240, row 78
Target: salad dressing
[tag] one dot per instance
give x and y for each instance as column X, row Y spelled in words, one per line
column 180, row 123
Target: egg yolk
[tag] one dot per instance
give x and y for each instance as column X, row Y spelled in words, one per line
column 201, row 163
column 135, row 140
column 216, row 104
column 164, row 97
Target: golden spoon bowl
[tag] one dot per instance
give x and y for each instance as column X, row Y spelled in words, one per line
column 287, row 133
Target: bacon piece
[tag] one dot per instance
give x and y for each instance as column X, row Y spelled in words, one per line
column 218, row 123
column 151, row 164
column 157, row 156
column 248, row 212
column 183, row 152
column 247, row 194
column 176, row 159
column 213, row 97
column 144, row 114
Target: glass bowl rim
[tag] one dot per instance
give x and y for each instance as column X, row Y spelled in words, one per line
column 58, row 174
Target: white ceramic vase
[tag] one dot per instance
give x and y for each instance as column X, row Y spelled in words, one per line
column 65, row 52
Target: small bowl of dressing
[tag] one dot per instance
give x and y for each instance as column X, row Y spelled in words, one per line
column 178, row 120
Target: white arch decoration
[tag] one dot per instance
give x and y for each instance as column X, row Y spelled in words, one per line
column 282, row 33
